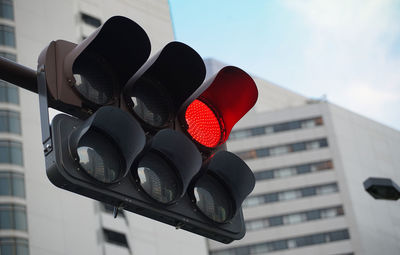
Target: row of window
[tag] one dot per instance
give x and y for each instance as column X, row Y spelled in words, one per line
column 13, row 217
column 10, row 122
column 290, row 194
column 7, row 36
column 285, row 244
column 6, row 9
column 293, row 170
column 294, row 218
column 283, row 149
column 275, row 128
column 11, row 152
column 13, row 246
column 8, row 93
column 12, row 184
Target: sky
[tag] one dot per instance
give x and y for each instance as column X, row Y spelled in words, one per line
column 346, row 50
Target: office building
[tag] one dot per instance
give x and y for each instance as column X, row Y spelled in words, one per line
column 310, row 158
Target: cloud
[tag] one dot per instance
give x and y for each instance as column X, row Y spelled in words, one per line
column 351, row 57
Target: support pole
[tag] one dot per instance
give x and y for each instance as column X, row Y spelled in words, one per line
column 19, row 75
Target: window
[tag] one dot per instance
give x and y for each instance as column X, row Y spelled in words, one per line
column 10, row 122
column 13, row 246
column 115, row 238
column 309, row 191
column 269, row 174
column 12, row 184
column 298, row 147
column 8, row 93
column 10, row 152
column 90, row 20
column 264, row 152
column 275, row 221
column 13, row 217
column 7, row 36
column 6, row 9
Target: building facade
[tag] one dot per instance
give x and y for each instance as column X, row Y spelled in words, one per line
column 37, row 218
column 310, row 158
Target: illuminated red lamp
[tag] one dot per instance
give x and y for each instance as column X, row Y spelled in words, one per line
column 224, row 100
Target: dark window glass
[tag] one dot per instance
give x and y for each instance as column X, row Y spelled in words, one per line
column 6, row 9
column 8, row 93
column 309, row 191
column 280, row 245
column 11, row 152
column 317, row 239
column 323, row 143
column 12, row 184
column 13, row 246
column 275, row 221
column 90, row 20
column 242, row 251
column 313, row 215
column 5, row 184
column 303, row 169
column 294, row 125
column 7, row 36
column 257, row 131
column 5, row 218
column 115, row 237
column 280, row 127
column 264, row 175
column 339, row 235
column 298, row 146
column 10, row 122
column 262, row 152
column 272, row 197
column 13, row 217
column 301, row 241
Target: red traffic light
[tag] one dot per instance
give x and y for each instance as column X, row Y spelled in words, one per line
column 224, row 100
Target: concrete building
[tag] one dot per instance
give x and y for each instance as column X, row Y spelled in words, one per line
column 310, row 158
column 37, row 218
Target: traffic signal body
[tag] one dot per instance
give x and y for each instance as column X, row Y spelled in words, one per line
column 148, row 137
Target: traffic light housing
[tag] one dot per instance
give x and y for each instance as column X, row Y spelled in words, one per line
column 133, row 138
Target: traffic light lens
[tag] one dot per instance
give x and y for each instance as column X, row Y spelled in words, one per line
column 151, row 104
column 157, row 178
column 99, row 158
column 212, row 199
column 203, row 124
column 94, row 79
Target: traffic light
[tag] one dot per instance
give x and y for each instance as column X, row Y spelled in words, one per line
column 144, row 135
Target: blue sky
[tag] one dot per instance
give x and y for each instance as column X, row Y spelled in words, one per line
column 348, row 50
